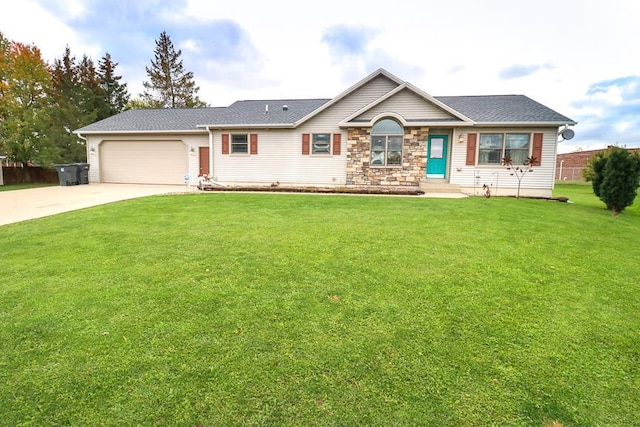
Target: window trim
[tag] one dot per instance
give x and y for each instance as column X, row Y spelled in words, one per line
column 386, row 143
column 313, row 144
column 246, row 143
column 504, row 146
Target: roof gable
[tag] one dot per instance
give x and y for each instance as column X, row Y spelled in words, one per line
column 409, row 104
column 375, row 80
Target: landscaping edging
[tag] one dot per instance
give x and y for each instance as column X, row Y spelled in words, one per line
column 321, row 190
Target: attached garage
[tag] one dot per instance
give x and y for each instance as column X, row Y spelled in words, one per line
column 143, row 162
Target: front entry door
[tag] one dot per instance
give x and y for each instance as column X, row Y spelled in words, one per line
column 437, row 156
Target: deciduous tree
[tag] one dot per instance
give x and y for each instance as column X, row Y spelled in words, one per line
column 24, row 82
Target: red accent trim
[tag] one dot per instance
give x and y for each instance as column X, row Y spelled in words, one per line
column 536, row 152
column 225, row 143
column 253, row 149
column 306, row 138
column 471, row 148
column 336, row 143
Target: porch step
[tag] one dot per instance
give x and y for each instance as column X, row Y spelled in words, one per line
column 439, row 187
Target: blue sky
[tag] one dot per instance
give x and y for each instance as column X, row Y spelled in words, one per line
column 578, row 57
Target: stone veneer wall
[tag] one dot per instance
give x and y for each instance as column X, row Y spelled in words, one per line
column 413, row 169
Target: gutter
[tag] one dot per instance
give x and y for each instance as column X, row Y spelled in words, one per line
column 508, row 124
column 249, row 126
column 138, row 132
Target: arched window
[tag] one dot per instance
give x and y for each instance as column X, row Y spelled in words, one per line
column 386, row 143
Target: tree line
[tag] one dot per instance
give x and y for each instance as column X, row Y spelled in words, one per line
column 41, row 103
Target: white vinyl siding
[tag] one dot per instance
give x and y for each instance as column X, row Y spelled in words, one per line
column 365, row 95
column 408, row 105
column 280, row 160
column 540, row 181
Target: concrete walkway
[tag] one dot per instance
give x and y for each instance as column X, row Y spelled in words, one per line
column 22, row 205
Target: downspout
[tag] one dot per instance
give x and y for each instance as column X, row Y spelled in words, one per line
column 86, row 147
column 211, row 159
column 210, row 151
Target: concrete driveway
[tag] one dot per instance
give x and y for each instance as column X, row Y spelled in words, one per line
column 21, row 205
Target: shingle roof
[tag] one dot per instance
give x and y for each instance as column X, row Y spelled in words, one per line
column 481, row 109
column 175, row 119
column 187, row 119
column 255, row 112
column 503, row 109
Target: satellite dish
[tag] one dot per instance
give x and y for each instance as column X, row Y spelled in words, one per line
column 567, row 134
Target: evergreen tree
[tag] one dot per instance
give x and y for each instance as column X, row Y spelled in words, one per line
column 595, row 165
column 170, row 86
column 116, row 93
column 93, row 97
column 616, row 178
column 77, row 98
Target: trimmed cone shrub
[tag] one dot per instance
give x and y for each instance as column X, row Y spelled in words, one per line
column 616, row 179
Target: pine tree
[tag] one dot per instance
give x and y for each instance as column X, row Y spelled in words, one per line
column 92, row 96
column 77, row 98
column 170, row 86
column 116, row 93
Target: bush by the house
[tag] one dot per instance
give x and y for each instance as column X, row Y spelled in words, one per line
column 616, row 177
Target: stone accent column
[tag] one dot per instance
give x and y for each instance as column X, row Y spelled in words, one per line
column 409, row 173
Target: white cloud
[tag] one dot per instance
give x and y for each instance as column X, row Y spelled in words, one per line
column 190, row 45
column 556, row 52
column 28, row 22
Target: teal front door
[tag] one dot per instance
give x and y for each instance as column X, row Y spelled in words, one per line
column 437, row 156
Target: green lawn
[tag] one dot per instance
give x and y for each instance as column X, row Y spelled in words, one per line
column 272, row 309
column 23, row 186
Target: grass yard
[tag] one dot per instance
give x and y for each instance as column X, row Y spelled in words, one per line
column 24, row 186
column 262, row 309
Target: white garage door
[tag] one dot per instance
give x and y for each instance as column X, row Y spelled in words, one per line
column 143, row 162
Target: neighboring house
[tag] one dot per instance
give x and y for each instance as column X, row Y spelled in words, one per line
column 382, row 131
column 569, row 166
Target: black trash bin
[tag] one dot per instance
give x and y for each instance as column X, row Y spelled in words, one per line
column 67, row 174
column 82, row 172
